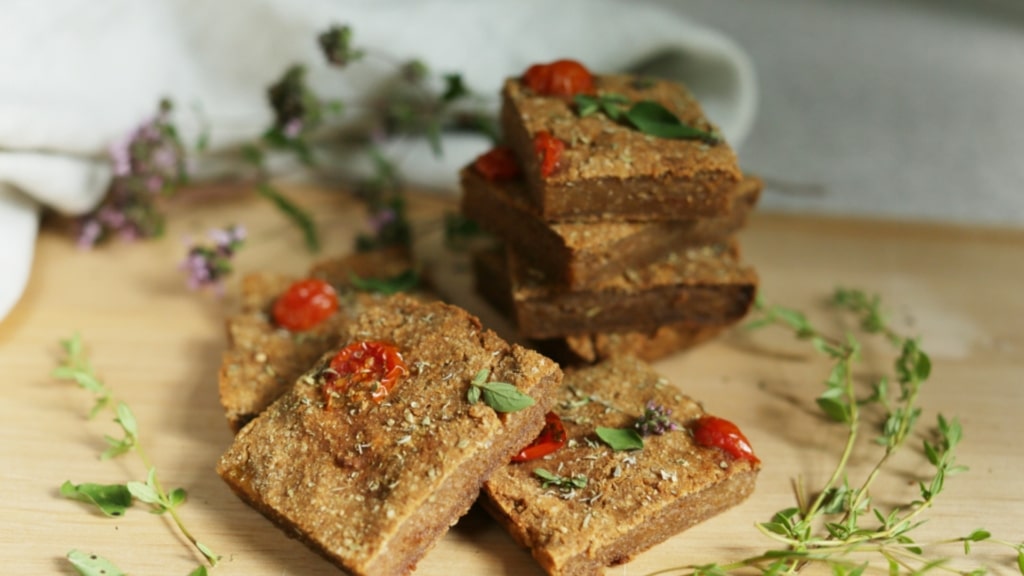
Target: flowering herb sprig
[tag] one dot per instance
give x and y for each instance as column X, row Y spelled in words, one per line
column 656, row 420
column 208, row 264
column 842, row 527
column 114, row 499
column 147, row 163
column 419, row 103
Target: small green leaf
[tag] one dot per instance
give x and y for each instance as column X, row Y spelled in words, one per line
column 200, row 571
column 620, row 439
column 835, row 409
column 1020, row 560
column 836, row 500
column 454, row 88
column 126, row 419
column 481, row 376
column 117, row 447
column 561, row 482
column 473, row 396
column 209, row 554
column 776, row 528
column 144, row 493
column 92, row 565
column 402, row 282
column 904, row 539
column 654, row 119
column 111, row 499
column 586, row 105
column 177, row 497
column 543, row 474
column 504, row 397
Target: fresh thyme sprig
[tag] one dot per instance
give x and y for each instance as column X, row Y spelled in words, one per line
column 563, row 483
column 842, row 527
column 114, row 499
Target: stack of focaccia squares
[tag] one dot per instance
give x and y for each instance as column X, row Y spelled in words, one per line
column 616, row 202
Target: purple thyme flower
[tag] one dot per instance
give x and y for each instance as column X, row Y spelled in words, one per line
column 655, row 420
column 148, row 160
column 293, row 129
column 89, row 232
column 208, row 265
column 382, row 218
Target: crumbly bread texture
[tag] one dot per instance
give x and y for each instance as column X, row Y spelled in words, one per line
column 700, row 286
column 632, row 500
column 579, row 254
column 262, row 360
column 371, row 486
column 613, row 171
column 491, row 281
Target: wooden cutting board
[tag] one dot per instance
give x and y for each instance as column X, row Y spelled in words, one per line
column 158, row 346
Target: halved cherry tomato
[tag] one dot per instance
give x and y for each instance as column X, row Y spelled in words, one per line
column 305, row 304
column 551, row 438
column 374, row 367
column 720, row 433
column 549, row 151
column 498, row 163
column 559, row 78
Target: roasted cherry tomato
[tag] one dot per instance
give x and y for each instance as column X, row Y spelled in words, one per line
column 720, row 433
column 305, row 304
column 498, row 163
column 549, row 151
column 374, row 367
column 559, row 78
column 551, row 438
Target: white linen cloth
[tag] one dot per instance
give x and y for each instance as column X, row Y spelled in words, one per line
column 79, row 74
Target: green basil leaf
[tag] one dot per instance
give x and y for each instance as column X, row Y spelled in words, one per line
column 504, row 397
column 473, row 396
column 586, row 105
column 92, row 565
column 402, row 282
column 111, row 499
column 620, row 438
column 652, row 118
column 200, row 571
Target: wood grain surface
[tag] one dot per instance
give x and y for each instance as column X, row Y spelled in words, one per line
column 159, row 346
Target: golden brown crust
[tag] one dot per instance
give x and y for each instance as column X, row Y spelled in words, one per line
column 632, row 500
column 374, row 486
column 614, row 171
column 262, row 360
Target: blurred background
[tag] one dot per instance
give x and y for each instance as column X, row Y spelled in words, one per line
column 909, row 109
